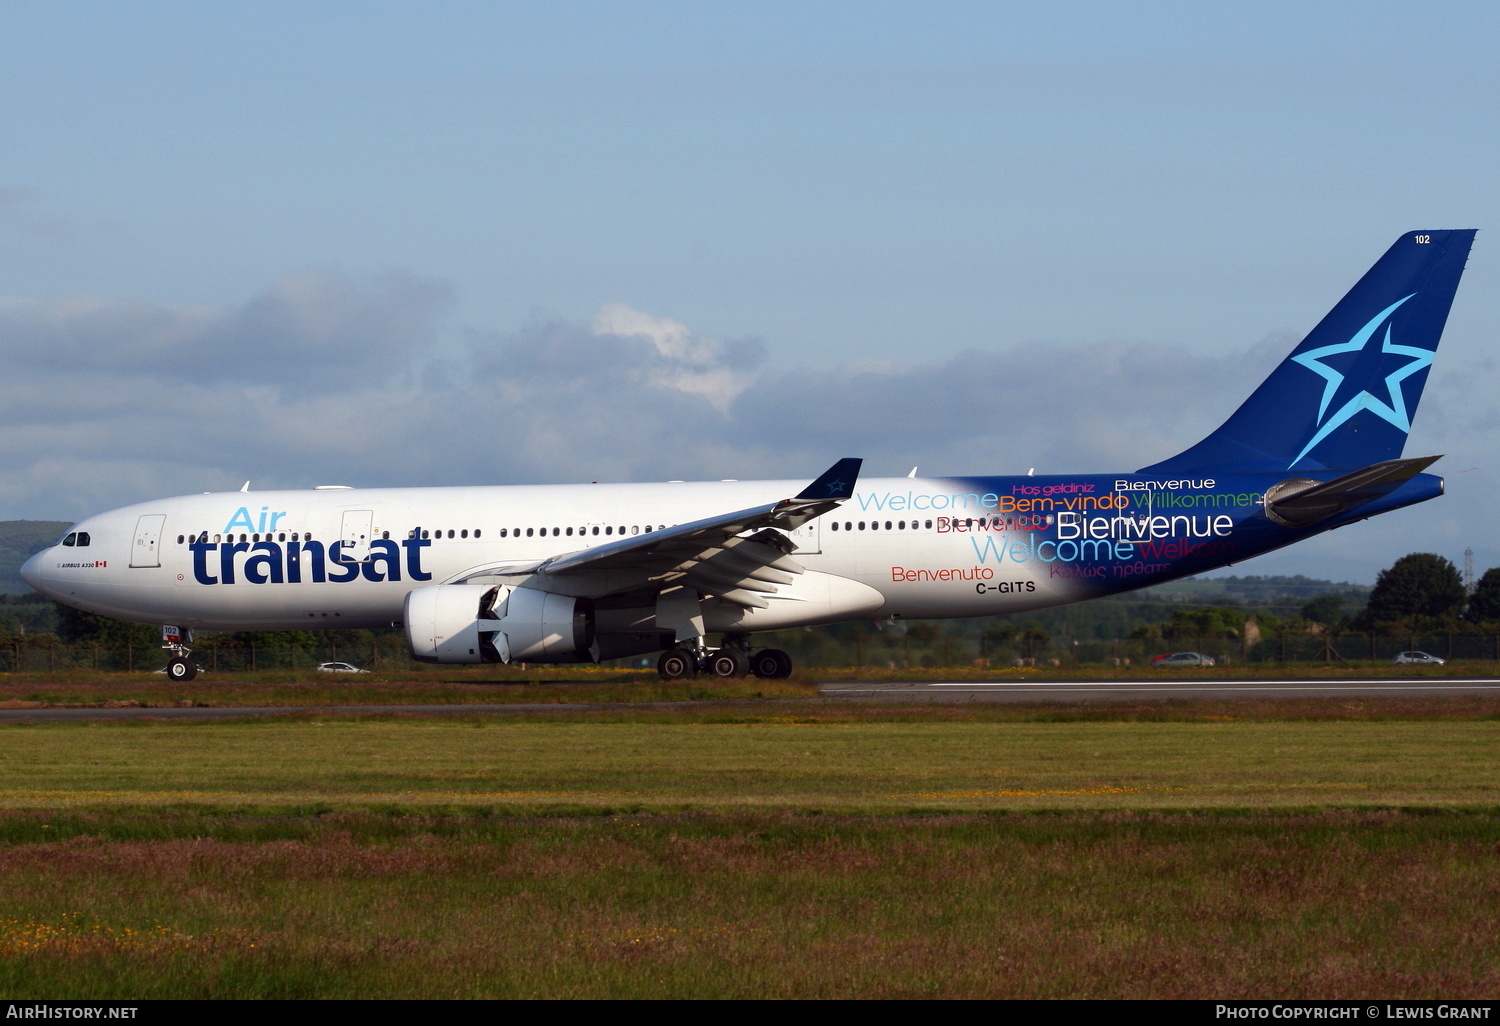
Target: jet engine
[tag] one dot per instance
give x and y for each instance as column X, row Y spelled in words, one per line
column 487, row 623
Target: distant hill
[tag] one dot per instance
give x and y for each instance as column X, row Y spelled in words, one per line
column 19, row 540
column 1255, row 590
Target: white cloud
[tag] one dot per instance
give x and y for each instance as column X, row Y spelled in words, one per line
column 688, row 363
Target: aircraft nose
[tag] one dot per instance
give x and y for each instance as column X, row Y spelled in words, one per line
column 31, row 570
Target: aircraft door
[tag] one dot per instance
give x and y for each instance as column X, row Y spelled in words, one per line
column 809, row 537
column 147, row 548
column 355, row 534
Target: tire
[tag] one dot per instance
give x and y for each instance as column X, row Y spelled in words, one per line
column 728, row 664
column 771, row 664
column 181, row 670
column 786, row 664
column 677, row 663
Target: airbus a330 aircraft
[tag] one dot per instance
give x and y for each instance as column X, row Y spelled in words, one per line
column 586, row 573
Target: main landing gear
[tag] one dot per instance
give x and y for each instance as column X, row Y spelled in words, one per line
column 734, row 659
column 180, row 668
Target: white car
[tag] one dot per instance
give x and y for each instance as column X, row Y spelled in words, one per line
column 1183, row 659
column 339, row 668
column 1419, row 659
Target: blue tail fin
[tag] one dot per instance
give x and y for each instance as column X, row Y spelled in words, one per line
column 1345, row 397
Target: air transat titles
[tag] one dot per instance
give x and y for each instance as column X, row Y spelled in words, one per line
column 271, row 562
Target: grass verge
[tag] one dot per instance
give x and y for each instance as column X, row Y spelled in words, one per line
column 769, row 904
column 754, row 851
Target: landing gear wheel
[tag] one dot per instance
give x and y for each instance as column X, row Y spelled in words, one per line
column 181, row 670
column 771, row 664
column 676, row 663
column 727, row 663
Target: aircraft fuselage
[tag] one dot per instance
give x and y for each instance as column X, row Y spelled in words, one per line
column 909, row 548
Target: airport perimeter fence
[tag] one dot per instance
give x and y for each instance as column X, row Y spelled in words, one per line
column 876, row 651
column 40, row 656
column 895, row 652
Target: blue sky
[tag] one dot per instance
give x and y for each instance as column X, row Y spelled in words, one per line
column 299, row 243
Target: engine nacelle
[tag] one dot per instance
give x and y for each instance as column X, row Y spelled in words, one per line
column 487, row 623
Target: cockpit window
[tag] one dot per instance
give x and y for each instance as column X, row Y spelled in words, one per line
column 71, row 539
column 83, row 538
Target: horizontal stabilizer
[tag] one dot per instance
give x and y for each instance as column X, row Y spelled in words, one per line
column 1298, row 502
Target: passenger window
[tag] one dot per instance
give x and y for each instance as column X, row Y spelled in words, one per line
column 861, row 525
column 834, row 525
column 464, row 533
column 528, row 532
column 476, row 533
column 635, row 529
column 179, row 539
column 424, row 534
column 887, row 525
column 556, row 531
column 929, row 525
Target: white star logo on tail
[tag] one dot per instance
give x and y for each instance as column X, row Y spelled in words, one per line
column 1394, row 410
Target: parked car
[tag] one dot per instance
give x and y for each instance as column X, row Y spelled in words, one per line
column 1183, row 659
column 340, row 668
column 1418, row 659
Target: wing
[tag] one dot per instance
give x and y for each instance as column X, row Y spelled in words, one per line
column 737, row 557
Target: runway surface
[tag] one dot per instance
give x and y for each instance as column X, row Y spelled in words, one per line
column 1040, row 692
column 1067, row 691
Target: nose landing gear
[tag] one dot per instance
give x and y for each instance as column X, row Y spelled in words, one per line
column 180, row 668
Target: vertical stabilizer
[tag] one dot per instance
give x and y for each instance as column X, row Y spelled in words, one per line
column 1345, row 397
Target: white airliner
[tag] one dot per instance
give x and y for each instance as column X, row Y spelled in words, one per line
column 583, row 573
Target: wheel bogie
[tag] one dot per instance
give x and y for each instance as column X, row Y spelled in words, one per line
column 729, row 662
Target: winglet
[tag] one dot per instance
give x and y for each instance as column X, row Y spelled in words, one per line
column 837, row 482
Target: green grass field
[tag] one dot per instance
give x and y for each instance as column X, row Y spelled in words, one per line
column 1313, row 849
